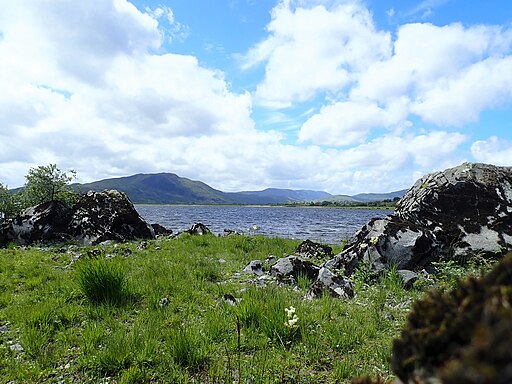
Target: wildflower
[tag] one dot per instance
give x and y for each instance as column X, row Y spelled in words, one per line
column 292, row 320
column 374, row 240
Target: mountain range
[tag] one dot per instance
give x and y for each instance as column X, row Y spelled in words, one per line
column 168, row 188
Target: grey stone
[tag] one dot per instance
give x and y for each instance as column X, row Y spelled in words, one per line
column 408, row 277
column 291, row 267
column 329, row 283
column 254, row 267
column 17, row 347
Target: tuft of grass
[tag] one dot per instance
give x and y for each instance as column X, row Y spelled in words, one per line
column 187, row 348
column 102, row 281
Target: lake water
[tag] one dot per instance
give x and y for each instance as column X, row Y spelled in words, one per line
column 324, row 225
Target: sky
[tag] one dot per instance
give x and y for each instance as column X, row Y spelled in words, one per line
column 342, row 96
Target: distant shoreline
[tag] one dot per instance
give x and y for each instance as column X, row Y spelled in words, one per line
column 355, row 207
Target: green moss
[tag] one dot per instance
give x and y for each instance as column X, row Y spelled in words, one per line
column 461, row 335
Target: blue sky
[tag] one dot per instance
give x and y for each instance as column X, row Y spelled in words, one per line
column 337, row 95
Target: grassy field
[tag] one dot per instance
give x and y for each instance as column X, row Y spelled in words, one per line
column 132, row 313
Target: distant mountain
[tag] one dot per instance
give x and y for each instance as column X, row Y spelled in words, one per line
column 367, row 197
column 277, row 196
column 364, row 197
column 168, row 188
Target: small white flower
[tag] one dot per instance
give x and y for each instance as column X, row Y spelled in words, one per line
column 290, row 311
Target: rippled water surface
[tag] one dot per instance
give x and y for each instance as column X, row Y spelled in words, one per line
column 325, row 225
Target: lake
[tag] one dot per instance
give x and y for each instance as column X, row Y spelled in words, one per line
column 324, row 225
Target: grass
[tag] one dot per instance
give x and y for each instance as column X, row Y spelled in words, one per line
column 84, row 321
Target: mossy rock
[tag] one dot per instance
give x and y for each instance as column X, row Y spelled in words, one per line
column 460, row 336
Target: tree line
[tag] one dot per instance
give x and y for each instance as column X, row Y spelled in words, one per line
column 42, row 184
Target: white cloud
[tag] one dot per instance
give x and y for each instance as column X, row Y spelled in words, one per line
column 347, row 123
column 461, row 99
column 450, row 74
column 493, row 150
column 315, row 49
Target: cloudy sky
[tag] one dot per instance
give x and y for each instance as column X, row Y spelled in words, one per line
column 342, row 96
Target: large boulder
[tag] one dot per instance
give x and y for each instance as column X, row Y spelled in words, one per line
column 459, row 212
column 44, row 222
column 107, row 215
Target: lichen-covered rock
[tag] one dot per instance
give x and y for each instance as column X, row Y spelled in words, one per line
column 308, row 249
column 459, row 212
column 460, row 336
column 330, row 284
column 107, row 215
column 44, row 222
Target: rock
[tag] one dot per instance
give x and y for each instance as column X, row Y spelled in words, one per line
column 231, row 232
column 164, row 302
column 270, row 259
column 291, row 267
column 460, row 212
column 199, row 229
column 255, row 267
column 44, row 222
column 328, row 283
column 460, row 336
column 17, row 347
column 408, row 277
column 160, row 230
column 230, row 299
column 107, row 215
column 308, row 249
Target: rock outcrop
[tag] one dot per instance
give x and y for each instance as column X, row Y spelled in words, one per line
column 96, row 217
column 456, row 213
column 45, row 222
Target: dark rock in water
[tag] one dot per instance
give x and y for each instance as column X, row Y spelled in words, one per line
column 328, row 283
column 291, row 267
column 460, row 336
column 255, row 267
column 44, row 222
column 107, row 215
column 456, row 213
column 308, row 249
column 199, row 229
column 160, row 230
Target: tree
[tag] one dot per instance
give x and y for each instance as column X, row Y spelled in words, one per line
column 5, row 201
column 46, row 183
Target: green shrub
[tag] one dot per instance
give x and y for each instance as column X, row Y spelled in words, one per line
column 102, row 281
